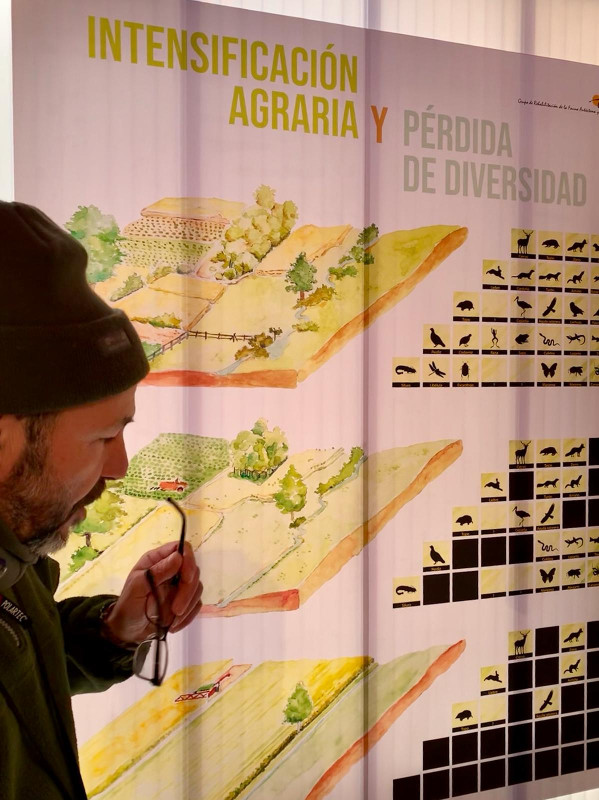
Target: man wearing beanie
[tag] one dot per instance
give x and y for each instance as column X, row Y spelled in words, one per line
column 69, row 366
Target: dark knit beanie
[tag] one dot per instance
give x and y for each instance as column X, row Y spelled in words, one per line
column 60, row 344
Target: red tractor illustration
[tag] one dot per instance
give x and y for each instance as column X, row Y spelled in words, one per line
column 170, row 486
column 206, row 690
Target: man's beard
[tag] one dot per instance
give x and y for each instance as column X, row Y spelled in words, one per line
column 33, row 503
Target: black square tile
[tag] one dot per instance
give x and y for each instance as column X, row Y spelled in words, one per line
column 593, row 512
column 492, row 743
column 464, row 780
column 519, row 769
column 594, row 451
column 493, row 551
column 546, row 764
column 592, row 755
column 522, row 485
column 547, row 641
column 407, row 788
column 464, row 747
column 572, row 698
column 492, row 774
column 464, row 586
column 521, row 548
column 593, row 664
column 435, row 753
column 546, row 733
column 546, row 671
column 519, row 675
column 519, row 738
column 593, row 634
column 435, row 785
column 519, row 707
column 572, row 758
column 465, row 553
column 593, row 725
column 574, row 514
column 572, row 728
column 435, row 589
column 593, row 694
column 594, row 481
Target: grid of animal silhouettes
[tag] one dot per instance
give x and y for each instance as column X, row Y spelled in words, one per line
column 533, row 324
column 547, row 724
column 535, row 530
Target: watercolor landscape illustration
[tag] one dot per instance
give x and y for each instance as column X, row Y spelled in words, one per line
column 277, row 729
column 227, row 294
column 269, row 526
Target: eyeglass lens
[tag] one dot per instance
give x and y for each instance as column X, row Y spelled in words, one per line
column 150, row 660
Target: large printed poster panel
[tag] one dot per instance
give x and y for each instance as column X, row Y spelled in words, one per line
column 365, row 269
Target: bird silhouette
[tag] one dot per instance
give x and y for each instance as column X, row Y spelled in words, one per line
column 576, row 310
column 547, row 701
column 436, row 339
column 436, row 558
column 465, row 340
column 548, row 514
column 523, row 305
column 550, row 308
column 522, row 515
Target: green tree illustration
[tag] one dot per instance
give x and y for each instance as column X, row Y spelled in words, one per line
column 300, row 276
column 299, row 706
column 101, row 515
column 81, row 555
column 99, row 234
column 258, row 452
column 292, row 495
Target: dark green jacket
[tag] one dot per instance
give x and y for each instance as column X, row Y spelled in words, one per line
column 55, row 653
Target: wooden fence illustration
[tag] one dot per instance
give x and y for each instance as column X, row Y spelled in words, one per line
column 231, row 337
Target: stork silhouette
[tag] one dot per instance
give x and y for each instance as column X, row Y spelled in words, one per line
column 523, row 305
column 521, row 514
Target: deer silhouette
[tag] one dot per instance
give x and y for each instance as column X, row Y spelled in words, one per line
column 521, row 454
column 519, row 644
column 523, row 243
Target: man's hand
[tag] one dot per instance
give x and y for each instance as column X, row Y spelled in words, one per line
column 127, row 620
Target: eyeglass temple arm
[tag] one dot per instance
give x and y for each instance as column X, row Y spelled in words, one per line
column 176, row 578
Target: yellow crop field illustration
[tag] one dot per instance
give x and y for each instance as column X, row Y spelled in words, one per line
column 226, row 294
column 278, row 729
column 269, row 526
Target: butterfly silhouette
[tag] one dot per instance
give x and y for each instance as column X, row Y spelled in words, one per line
column 549, row 372
column 547, row 576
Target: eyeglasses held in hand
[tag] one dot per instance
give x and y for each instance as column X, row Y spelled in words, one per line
column 151, row 656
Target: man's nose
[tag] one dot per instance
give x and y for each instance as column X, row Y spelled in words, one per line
column 116, row 461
